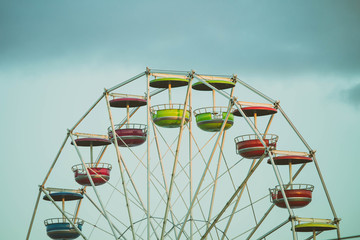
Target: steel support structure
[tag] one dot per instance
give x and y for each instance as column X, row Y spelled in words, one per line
column 176, row 157
column 92, row 184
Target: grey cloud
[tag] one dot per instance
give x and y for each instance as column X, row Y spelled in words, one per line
column 266, row 37
column 352, row 95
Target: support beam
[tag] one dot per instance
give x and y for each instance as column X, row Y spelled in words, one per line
column 176, row 158
column 232, row 197
column 126, row 82
column 92, row 183
column 87, row 112
column 120, row 166
column 205, row 170
column 34, row 213
column 274, row 229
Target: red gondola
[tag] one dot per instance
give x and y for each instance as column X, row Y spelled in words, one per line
column 100, row 174
column 298, row 196
column 130, row 135
column 249, row 146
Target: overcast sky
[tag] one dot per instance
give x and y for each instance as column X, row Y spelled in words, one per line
column 308, row 50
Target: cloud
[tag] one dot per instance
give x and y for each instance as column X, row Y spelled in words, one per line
column 271, row 38
column 352, row 95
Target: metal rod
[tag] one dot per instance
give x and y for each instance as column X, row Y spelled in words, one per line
column 127, row 113
column 255, row 91
column 120, row 166
column 253, row 128
column 274, row 229
column 190, row 168
column 268, row 125
column 199, row 77
column 101, row 154
column 64, row 214
column 219, row 162
column 216, row 179
column 254, row 104
column 63, row 206
column 92, row 183
column 91, row 154
column 55, row 160
column 102, row 213
column 126, row 82
column 281, row 184
column 176, row 157
column 290, row 174
column 87, row 112
column 294, row 128
column 255, row 120
column 205, row 170
column 271, row 207
column 214, row 101
column 148, row 152
column 326, row 193
column 236, row 204
column 34, row 213
column 232, row 197
column 163, row 172
column 169, row 89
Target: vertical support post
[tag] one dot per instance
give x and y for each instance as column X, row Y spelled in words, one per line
column 169, row 89
column 190, row 167
column 127, row 114
column 176, row 158
column 63, row 206
column 120, row 166
column 290, row 174
column 214, row 100
column 91, row 154
column 255, row 120
column 148, row 149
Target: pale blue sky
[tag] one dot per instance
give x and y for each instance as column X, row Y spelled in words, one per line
column 56, row 57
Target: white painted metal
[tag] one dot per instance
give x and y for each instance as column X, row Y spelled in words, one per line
column 254, row 104
column 92, row 183
column 196, row 197
column 204, row 172
column 120, row 166
column 176, row 160
column 64, row 214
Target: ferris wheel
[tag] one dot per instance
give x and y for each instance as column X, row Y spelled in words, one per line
column 172, row 162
